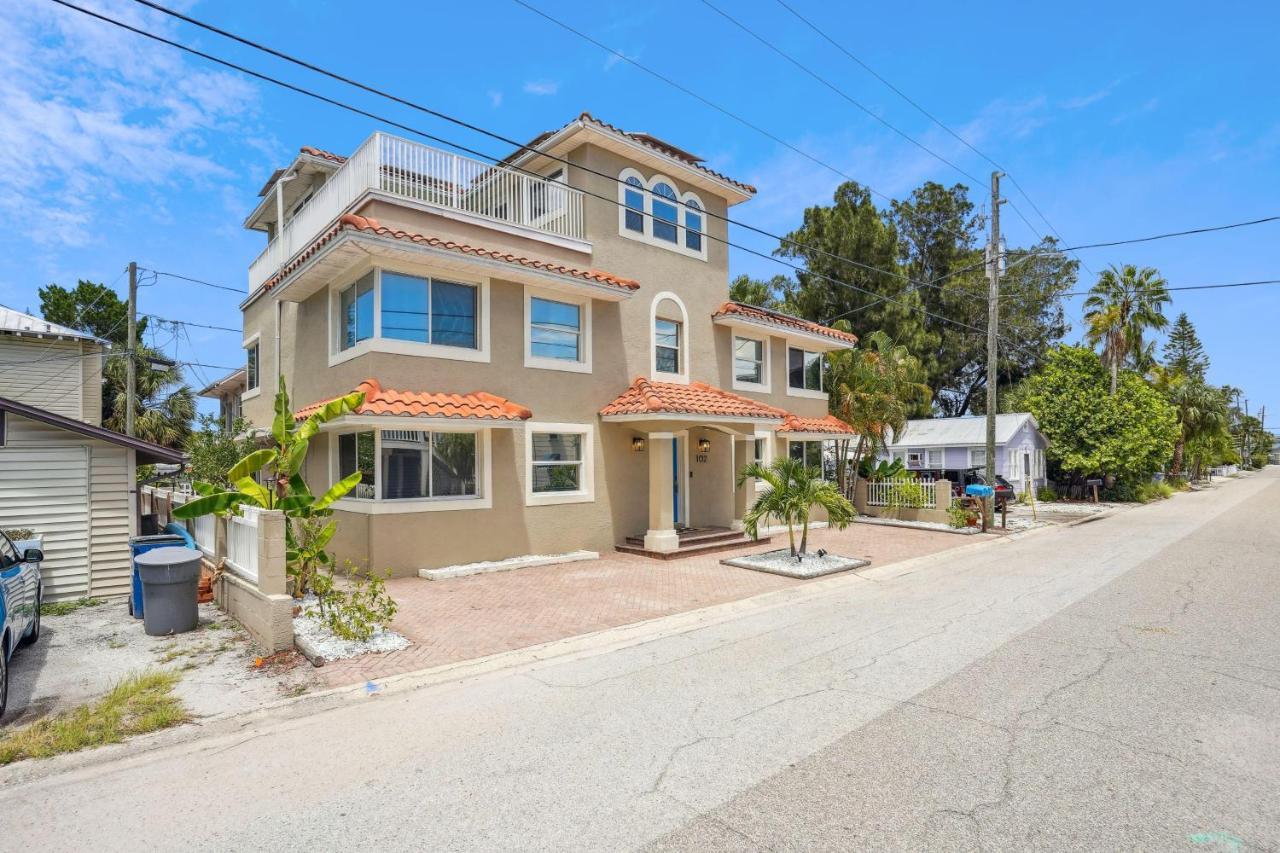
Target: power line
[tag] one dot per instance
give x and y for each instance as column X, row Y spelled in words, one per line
column 520, row 146
column 1192, row 287
column 196, row 325
column 425, row 135
column 174, row 274
column 840, row 47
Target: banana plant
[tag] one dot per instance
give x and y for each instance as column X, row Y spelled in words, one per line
column 308, row 526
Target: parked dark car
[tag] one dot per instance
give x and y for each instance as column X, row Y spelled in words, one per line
column 961, row 477
column 20, row 595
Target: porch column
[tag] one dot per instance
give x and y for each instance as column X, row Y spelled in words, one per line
column 661, row 535
column 744, row 494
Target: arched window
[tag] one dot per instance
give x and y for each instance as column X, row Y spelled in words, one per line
column 669, row 360
column 664, row 212
column 692, row 225
column 633, row 199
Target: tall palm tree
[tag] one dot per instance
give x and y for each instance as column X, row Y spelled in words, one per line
column 164, row 407
column 878, row 388
column 791, row 492
column 1124, row 304
column 1201, row 409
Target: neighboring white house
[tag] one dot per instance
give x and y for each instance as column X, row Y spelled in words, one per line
column 50, row 366
column 950, row 444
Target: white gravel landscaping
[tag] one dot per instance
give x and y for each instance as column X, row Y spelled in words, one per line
column 810, row 565
column 311, row 634
column 918, row 525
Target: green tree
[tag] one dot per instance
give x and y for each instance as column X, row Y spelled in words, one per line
column 164, row 406
column 90, row 307
column 878, row 388
column 1125, row 303
column 1183, row 352
column 765, row 294
column 212, row 451
column 791, row 492
column 1129, row 434
column 1201, row 410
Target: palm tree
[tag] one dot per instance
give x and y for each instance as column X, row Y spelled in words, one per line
column 791, row 492
column 878, row 388
column 1124, row 304
column 164, row 408
column 1201, row 410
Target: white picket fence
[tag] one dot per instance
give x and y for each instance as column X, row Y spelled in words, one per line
column 884, row 492
column 242, row 543
column 203, row 529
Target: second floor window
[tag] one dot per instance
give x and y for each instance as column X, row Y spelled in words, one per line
column 665, row 212
column 555, row 329
column 251, row 366
column 409, row 308
column 748, row 360
column 356, row 312
column 804, row 369
column 666, row 334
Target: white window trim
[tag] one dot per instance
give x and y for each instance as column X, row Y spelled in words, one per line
column 942, row 457
column 769, row 441
column 379, row 506
column 583, row 364
column 586, row 494
column 685, row 350
column 806, row 393
column 646, row 191
column 252, row 340
column 919, row 463
column 379, row 344
column 974, row 463
column 766, row 368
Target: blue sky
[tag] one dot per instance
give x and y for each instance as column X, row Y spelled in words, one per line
column 1117, row 123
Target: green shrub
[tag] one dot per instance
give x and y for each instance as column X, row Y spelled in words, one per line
column 909, row 495
column 957, row 516
column 356, row 610
column 1153, row 491
column 1046, row 493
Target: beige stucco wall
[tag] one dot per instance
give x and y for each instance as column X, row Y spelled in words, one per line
column 621, row 351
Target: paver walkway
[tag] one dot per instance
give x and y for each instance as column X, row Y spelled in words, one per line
column 464, row 618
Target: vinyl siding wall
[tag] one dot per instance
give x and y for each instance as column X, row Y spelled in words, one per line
column 75, row 491
column 52, row 375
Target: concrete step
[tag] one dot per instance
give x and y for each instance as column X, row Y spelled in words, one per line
column 719, row 544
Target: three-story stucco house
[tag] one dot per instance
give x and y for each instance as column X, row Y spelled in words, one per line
column 548, row 358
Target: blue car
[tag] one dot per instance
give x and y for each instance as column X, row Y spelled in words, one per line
column 20, row 595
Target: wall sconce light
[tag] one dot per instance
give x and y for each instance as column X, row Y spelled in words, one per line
column 637, row 444
column 704, row 445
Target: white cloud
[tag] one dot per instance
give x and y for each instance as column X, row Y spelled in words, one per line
column 92, row 111
column 1082, row 101
column 495, row 98
column 541, row 87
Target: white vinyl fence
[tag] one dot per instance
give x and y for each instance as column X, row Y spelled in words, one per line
column 204, row 530
column 242, row 543
column 919, row 493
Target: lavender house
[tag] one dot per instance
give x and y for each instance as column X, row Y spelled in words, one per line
column 934, row 444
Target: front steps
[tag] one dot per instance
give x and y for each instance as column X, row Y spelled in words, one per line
column 694, row 541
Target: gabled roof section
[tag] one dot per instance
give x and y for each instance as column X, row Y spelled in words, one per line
column 967, row 431
column 645, row 397
column 647, row 140
column 148, row 453
column 218, row 387
column 784, row 322
column 13, row 322
column 352, row 222
column 828, row 425
column 478, row 405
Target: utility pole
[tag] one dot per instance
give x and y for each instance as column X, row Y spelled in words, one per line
column 995, row 260
column 131, row 361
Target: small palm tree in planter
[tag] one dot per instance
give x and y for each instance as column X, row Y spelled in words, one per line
column 791, row 492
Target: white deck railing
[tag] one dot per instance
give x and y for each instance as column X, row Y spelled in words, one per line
column 428, row 176
column 242, row 543
column 921, row 493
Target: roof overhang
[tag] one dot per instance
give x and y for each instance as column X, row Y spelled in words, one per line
column 349, row 249
column 304, row 165
column 415, row 422
column 579, row 132
column 756, row 327
column 672, row 420
column 147, row 453
column 225, row 385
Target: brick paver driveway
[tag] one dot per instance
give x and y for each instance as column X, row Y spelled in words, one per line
column 470, row 617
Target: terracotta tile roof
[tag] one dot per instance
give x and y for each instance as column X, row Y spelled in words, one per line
column 478, row 405
column 368, row 225
column 784, row 321
column 826, row 424
column 644, row 397
column 322, row 154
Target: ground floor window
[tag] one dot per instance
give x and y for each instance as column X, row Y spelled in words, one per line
column 410, row 464
column 557, row 462
column 812, row 454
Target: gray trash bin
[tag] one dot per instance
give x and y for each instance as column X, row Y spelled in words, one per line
column 169, row 580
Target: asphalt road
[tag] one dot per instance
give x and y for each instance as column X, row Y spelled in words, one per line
column 1114, row 685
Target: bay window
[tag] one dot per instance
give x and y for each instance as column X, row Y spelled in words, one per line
column 393, row 309
column 398, row 465
column 355, row 310
column 810, row 453
column 251, row 366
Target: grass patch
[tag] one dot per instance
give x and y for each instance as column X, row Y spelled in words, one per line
column 62, row 608
column 141, row 703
